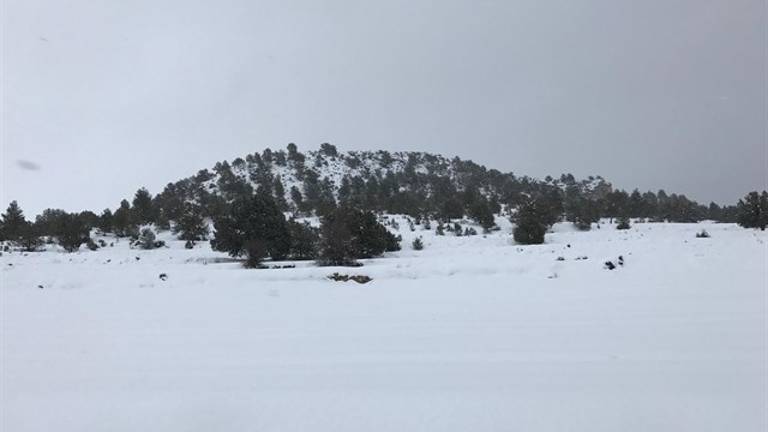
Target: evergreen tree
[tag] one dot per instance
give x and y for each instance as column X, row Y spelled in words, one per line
column 348, row 234
column 280, row 200
column 191, row 225
column 312, row 191
column 753, row 210
column 326, row 202
column 417, row 244
column 89, row 218
column 13, row 222
column 148, row 239
column 480, row 211
column 295, row 156
column 266, row 155
column 530, row 227
column 142, row 207
column 305, row 240
column 635, row 204
column 298, row 199
column 123, row 223
column 29, row 238
column 74, row 232
column 622, row 223
column 584, row 212
column 254, row 227
column 328, row 150
column 345, row 192
column 280, row 159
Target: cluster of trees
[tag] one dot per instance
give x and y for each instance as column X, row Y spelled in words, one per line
column 420, row 185
column 255, row 227
column 540, row 211
column 752, row 210
column 414, row 184
column 70, row 230
column 413, row 191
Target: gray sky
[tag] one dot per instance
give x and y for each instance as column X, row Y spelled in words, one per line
column 101, row 97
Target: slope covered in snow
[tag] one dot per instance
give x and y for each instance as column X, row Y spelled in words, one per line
column 471, row 333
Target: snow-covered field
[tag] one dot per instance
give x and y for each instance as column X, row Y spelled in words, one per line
column 470, row 334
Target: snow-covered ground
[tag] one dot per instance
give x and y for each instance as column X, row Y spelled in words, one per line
column 470, row 334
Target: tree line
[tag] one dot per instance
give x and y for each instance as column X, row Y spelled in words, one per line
column 250, row 193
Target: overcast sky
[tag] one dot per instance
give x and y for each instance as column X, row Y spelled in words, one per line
column 101, row 97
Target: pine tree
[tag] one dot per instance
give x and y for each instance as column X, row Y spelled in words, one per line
column 417, row 244
column 280, row 200
column 584, row 212
column 254, row 227
column 480, row 211
column 29, row 239
column 298, row 199
column 123, row 223
column 13, row 222
column 305, row 240
column 191, row 225
column 348, row 234
column 622, row 223
column 530, row 227
column 753, row 210
column 74, row 232
column 142, row 207
column 328, row 150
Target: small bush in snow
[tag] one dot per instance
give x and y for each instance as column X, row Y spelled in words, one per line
column 702, row 234
column 623, row 223
column 92, row 245
column 417, row 244
column 147, row 240
column 361, row 279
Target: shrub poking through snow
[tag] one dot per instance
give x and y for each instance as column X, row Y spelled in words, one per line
column 417, row 244
column 361, row 279
column 610, row 265
column 147, row 240
column 622, row 223
column 92, row 245
column 702, row 234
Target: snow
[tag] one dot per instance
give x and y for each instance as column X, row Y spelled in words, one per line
column 471, row 333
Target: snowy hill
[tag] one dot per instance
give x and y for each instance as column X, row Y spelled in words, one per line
column 414, row 172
